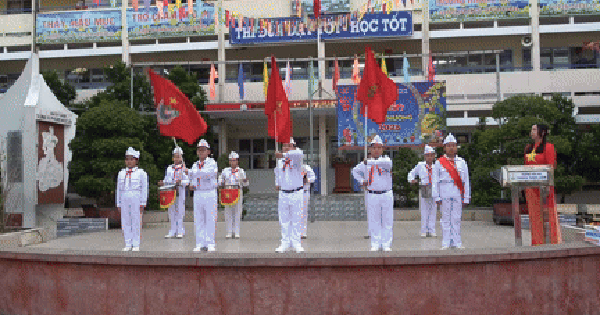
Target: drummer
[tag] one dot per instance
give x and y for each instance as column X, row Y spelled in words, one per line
column 176, row 175
column 424, row 170
column 233, row 177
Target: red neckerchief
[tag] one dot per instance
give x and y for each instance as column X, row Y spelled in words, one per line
column 287, row 163
column 429, row 170
column 176, row 170
column 372, row 172
column 129, row 171
column 450, row 166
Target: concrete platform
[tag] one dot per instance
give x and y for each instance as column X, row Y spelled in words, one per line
column 259, row 237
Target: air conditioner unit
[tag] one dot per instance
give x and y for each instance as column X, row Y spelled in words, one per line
column 526, row 41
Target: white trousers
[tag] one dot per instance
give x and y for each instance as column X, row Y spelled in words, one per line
column 451, row 216
column 304, row 217
column 428, row 215
column 290, row 209
column 176, row 214
column 131, row 218
column 205, row 217
column 380, row 214
column 368, row 215
column 233, row 216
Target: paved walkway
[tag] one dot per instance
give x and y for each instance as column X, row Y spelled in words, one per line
column 332, row 236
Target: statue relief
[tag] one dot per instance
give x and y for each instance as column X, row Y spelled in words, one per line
column 50, row 171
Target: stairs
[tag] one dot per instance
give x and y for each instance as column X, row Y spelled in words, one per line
column 341, row 207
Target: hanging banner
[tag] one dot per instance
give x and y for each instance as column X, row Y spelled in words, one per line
column 569, row 7
column 412, row 120
column 333, row 26
column 78, row 26
column 327, row 6
column 173, row 22
column 477, row 10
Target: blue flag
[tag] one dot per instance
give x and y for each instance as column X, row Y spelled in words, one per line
column 405, row 68
column 241, row 81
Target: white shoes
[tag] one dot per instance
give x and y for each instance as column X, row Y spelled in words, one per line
column 135, row 249
column 126, row 249
column 387, row 249
column 280, row 249
column 169, row 236
column 374, row 248
column 179, row 235
column 460, row 247
column 299, row 249
column 211, row 248
column 236, row 236
column 197, row 249
column 229, row 235
column 423, row 235
column 432, row 234
column 444, row 248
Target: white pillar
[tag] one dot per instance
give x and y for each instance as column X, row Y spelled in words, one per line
column 30, row 155
column 323, row 153
column 124, row 33
column 221, row 54
column 223, row 137
column 425, row 38
column 535, row 35
column 321, row 63
column 33, row 26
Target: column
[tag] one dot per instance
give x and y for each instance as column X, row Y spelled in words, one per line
column 33, row 32
column 30, row 156
column 124, row 33
column 425, row 38
column 323, row 153
column 221, row 48
column 321, row 64
column 223, row 137
column 535, row 35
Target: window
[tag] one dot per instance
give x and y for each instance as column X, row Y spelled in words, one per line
column 254, row 155
column 527, row 58
column 583, row 58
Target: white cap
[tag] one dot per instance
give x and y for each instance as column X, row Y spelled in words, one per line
column 376, row 140
column 132, row 152
column 429, row 149
column 449, row 139
column 203, row 143
column 233, row 155
column 292, row 141
column 178, row 150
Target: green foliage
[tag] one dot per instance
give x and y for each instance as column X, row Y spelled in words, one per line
column 63, row 91
column 492, row 148
column 404, row 161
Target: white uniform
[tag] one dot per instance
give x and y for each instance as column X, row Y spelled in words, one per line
column 444, row 189
column 310, row 176
column 132, row 192
column 177, row 210
column 380, row 199
column 427, row 205
column 203, row 177
column 233, row 214
column 288, row 176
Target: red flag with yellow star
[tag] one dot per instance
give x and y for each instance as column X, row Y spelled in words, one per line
column 376, row 90
column 277, row 107
column 175, row 114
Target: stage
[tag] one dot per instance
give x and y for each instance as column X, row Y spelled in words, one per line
column 87, row 274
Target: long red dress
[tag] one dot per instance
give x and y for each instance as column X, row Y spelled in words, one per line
column 548, row 157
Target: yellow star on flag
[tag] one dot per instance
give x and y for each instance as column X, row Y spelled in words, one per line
column 531, row 156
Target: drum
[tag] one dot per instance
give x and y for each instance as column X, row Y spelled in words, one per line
column 426, row 191
column 229, row 195
column 167, row 195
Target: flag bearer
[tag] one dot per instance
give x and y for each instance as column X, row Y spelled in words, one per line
column 424, row 170
column 203, row 181
column 308, row 176
column 234, row 177
column 175, row 175
column 289, row 182
column 451, row 190
column 132, row 194
column 377, row 179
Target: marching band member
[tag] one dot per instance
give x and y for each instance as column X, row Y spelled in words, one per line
column 203, row 180
column 539, row 153
column 380, row 198
column 451, row 190
column 233, row 176
column 132, row 194
column 424, row 170
column 175, row 175
column 308, row 176
column 289, row 182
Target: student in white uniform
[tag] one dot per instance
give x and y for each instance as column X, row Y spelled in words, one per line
column 289, row 182
column 233, row 176
column 380, row 198
column 131, row 197
column 451, row 190
column 176, row 175
column 308, row 176
column 203, row 181
column 424, row 170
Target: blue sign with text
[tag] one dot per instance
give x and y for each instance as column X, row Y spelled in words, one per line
column 332, row 26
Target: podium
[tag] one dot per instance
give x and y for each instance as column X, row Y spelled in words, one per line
column 519, row 177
